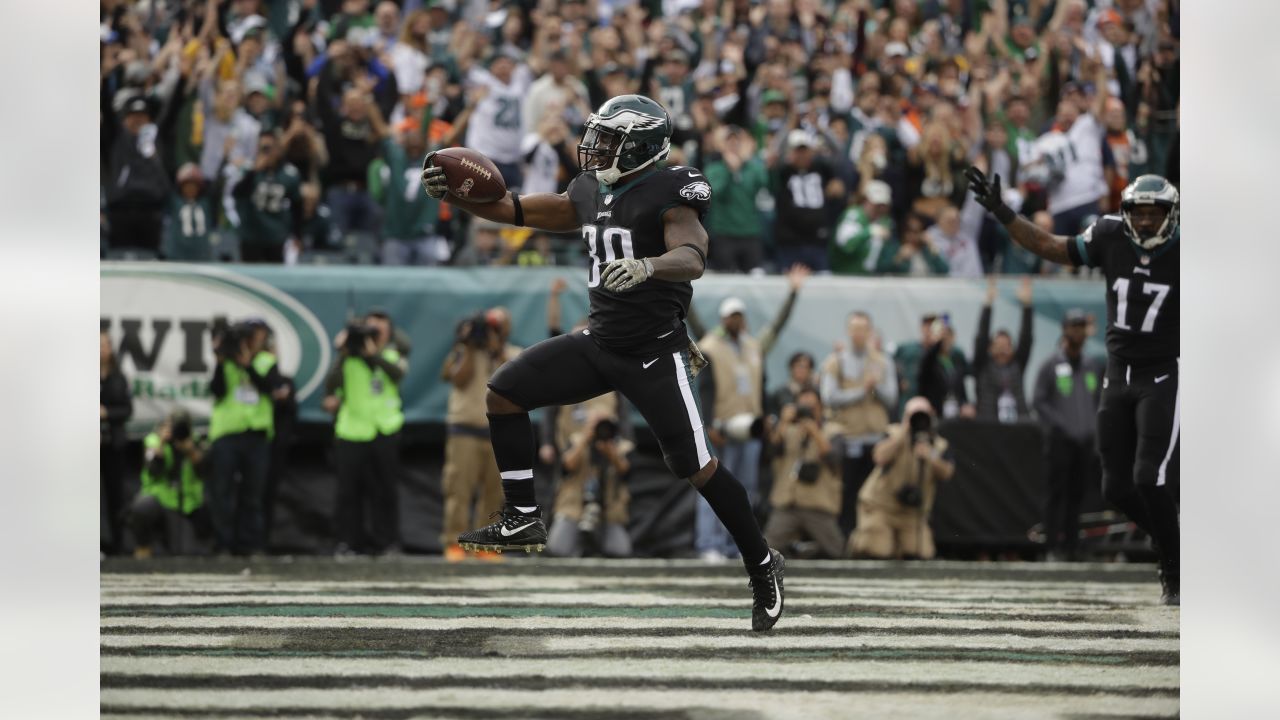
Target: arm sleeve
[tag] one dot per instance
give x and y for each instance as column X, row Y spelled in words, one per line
column 260, row 382
column 333, row 379
column 392, row 368
column 1023, row 353
column 244, row 186
column 981, row 340
column 928, row 372
column 1080, row 249
column 218, row 385
column 770, row 336
column 274, row 379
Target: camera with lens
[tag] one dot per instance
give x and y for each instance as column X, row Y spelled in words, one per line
column 910, row 496
column 804, row 412
column 227, row 338
column 606, row 430
column 920, row 424
column 357, row 335
column 474, row 330
column 807, row 473
column 180, row 428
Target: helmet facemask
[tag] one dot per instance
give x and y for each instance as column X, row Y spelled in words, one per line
column 610, row 152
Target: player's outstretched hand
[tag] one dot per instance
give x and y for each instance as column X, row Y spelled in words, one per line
column 622, row 275
column 987, row 193
column 433, row 180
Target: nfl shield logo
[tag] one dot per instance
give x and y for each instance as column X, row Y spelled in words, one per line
column 1145, row 259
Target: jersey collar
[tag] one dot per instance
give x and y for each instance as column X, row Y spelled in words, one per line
column 609, row 189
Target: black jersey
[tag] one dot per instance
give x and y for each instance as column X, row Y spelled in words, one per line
column 626, row 222
column 1142, row 290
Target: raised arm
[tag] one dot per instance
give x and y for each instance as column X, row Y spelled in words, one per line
column 1024, row 232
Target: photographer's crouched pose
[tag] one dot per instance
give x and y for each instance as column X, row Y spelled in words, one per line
column 592, row 502
column 894, row 504
column 363, row 389
column 172, row 488
column 807, row 487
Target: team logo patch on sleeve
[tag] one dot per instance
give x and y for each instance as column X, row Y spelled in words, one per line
column 696, row 191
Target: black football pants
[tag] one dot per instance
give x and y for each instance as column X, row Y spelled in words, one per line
column 569, row 369
column 1137, row 440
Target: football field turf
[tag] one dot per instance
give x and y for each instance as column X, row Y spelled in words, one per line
column 626, row 640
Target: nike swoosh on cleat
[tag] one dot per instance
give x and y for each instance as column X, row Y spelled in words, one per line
column 646, row 365
column 777, row 605
column 513, row 532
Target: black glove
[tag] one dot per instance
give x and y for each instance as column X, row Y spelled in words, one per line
column 433, row 180
column 988, row 195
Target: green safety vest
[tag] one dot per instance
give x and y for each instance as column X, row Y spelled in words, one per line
column 243, row 408
column 188, row 487
column 370, row 400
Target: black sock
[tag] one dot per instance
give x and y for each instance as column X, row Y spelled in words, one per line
column 513, row 447
column 728, row 499
column 1162, row 520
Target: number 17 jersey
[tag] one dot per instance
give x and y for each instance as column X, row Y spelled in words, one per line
column 1142, row 290
column 626, row 222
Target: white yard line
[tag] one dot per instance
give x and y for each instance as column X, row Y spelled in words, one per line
column 1165, row 621
column 583, row 670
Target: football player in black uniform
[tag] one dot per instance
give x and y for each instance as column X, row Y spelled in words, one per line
column 642, row 227
column 1138, row 418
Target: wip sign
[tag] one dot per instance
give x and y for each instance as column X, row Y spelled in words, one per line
column 158, row 317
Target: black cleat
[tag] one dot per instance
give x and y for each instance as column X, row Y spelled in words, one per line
column 1169, row 590
column 512, row 531
column 766, row 589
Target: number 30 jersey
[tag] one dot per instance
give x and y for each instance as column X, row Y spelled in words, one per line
column 625, row 221
column 1142, row 290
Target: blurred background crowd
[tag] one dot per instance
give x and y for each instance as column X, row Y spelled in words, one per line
column 832, row 133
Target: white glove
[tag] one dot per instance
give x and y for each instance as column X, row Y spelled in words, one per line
column 433, row 180
column 622, row 275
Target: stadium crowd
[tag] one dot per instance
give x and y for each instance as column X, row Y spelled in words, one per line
column 833, row 133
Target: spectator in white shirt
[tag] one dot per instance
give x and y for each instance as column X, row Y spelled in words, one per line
column 959, row 249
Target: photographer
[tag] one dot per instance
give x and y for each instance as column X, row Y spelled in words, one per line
column 480, row 348
column 592, row 499
column 241, row 425
column 172, row 487
column 807, row 486
column 894, row 504
column 363, row 390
